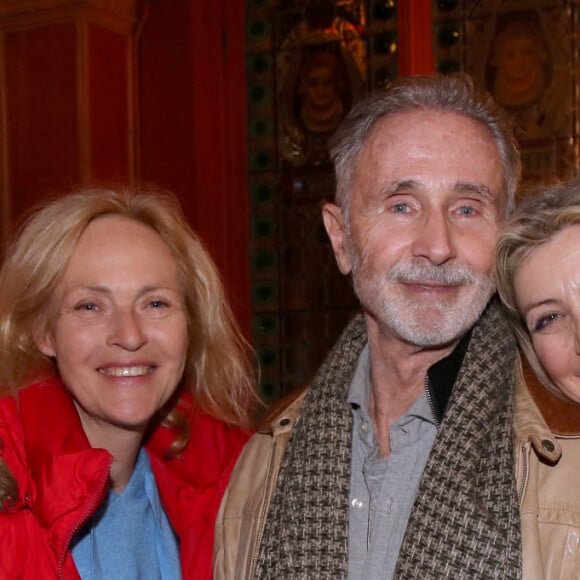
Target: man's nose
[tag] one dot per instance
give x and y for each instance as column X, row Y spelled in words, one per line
column 434, row 238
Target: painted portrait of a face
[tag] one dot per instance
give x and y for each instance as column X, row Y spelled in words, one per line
column 519, row 66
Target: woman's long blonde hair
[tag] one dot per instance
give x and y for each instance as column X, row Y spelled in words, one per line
column 218, row 370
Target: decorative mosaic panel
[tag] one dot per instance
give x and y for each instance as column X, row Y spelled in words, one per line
column 448, row 35
column 526, row 54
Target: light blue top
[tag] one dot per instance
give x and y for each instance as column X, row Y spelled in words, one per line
column 129, row 536
column 383, row 489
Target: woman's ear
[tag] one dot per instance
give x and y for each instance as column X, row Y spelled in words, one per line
column 43, row 339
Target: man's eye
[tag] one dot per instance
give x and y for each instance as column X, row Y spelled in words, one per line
column 399, row 208
column 466, row 210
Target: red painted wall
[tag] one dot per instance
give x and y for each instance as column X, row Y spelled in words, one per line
column 109, row 105
column 165, row 88
column 42, row 111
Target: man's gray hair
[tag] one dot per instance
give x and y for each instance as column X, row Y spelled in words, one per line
column 450, row 94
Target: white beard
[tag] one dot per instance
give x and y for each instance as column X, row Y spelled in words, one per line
column 428, row 322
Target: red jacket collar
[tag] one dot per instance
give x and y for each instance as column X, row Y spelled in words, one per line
column 68, row 479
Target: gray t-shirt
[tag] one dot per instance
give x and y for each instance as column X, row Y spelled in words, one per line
column 382, row 490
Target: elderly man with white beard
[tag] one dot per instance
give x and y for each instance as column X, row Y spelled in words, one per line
column 396, row 461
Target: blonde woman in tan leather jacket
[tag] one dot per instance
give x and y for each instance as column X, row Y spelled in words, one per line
column 538, row 275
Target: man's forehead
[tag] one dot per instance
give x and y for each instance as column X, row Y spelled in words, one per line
column 428, row 132
column 436, row 118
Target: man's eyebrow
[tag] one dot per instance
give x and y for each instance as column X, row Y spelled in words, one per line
column 463, row 187
column 401, row 185
column 473, row 188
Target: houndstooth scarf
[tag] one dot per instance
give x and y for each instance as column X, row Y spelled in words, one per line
column 465, row 520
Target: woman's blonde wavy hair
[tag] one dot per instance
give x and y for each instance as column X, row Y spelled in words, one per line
column 543, row 214
column 218, row 371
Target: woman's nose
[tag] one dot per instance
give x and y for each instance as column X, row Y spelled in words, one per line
column 127, row 330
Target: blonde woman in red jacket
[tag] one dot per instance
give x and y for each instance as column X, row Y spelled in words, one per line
column 126, row 392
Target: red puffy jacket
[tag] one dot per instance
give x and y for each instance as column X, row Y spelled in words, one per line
column 61, row 481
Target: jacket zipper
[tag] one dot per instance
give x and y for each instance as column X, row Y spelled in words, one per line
column 90, row 508
column 430, row 401
column 263, row 511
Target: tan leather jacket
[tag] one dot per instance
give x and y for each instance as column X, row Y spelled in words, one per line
column 245, row 504
column 547, row 448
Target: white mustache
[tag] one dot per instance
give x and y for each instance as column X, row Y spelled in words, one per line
column 447, row 274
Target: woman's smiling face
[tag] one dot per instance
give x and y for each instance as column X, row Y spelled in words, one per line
column 547, row 287
column 119, row 326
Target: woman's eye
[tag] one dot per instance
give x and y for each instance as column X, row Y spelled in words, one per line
column 158, row 304
column 544, row 321
column 87, row 307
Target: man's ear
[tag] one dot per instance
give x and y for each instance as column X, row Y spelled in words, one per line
column 333, row 218
column 43, row 339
